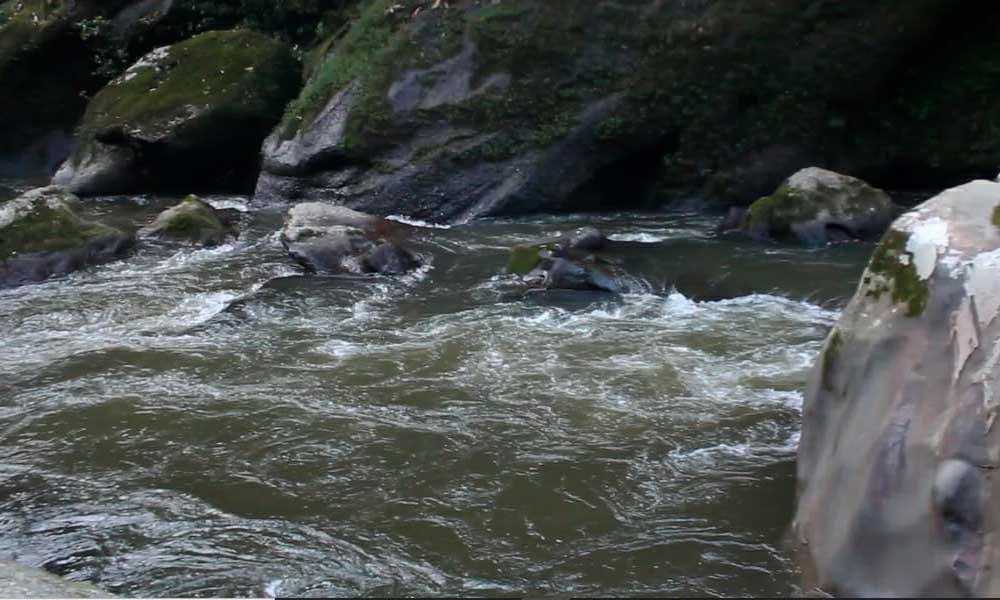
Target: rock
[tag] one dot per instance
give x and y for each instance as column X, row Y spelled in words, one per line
column 732, row 221
column 331, row 239
column 566, row 264
column 390, row 259
column 41, row 237
column 815, row 206
column 313, row 219
column 701, row 286
column 193, row 220
column 563, row 274
column 511, row 108
column 899, row 441
column 187, row 116
column 19, row 581
column 588, row 238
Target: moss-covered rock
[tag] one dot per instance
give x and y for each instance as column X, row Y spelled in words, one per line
column 816, row 206
column 187, row 116
column 194, row 221
column 42, row 236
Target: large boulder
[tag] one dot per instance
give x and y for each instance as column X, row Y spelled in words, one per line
column 815, row 206
column 187, row 116
column 41, row 236
column 498, row 108
column 194, row 221
column 899, row 436
column 334, row 240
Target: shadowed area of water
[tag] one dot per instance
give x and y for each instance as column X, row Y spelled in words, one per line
column 210, row 422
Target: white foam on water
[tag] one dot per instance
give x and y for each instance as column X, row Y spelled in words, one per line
column 641, row 238
column 417, row 222
column 241, row 204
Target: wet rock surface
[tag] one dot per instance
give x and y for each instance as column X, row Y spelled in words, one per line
column 899, row 440
column 194, row 221
column 41, row 236
column 335, row 240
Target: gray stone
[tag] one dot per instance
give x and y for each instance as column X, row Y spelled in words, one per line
column 815, row 206
column 193, row 220
column 329, row 239
column 41, row 236
column 899, row 438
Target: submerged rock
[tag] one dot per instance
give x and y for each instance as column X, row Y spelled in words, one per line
column 336, row 240
column 568, row 263
column 41, row 236
column 193, row 220
column 19, row 581
column 816, row 206
column 899, row 437
column 191, row 115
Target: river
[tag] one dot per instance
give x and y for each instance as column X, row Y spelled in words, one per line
column 211, row 422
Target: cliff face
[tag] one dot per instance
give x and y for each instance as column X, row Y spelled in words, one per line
column 517, row 106
column 456, row 109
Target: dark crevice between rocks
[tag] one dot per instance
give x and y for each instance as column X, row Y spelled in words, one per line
column 628, row 183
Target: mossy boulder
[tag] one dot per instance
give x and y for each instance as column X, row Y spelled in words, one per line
column 520, row 106
column 41, row 236
column 899, row 441
column 194, row 221
column 815, row 206
column 189, row 116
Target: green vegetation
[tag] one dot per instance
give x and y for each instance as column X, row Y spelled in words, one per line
column 996, row 217
column 889, row 274
column 523, row 259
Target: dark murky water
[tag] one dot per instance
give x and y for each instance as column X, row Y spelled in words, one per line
column 208, row 422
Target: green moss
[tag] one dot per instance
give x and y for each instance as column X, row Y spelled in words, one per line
column 780, row 211
column 523, row 259
column 898, row 279
column 192, row 220
column 996, row 216
column 358, row 56
column 48, row 229
column 233, row 74
column 831, row 352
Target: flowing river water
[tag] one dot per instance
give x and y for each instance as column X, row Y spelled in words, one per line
column 211, row 422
